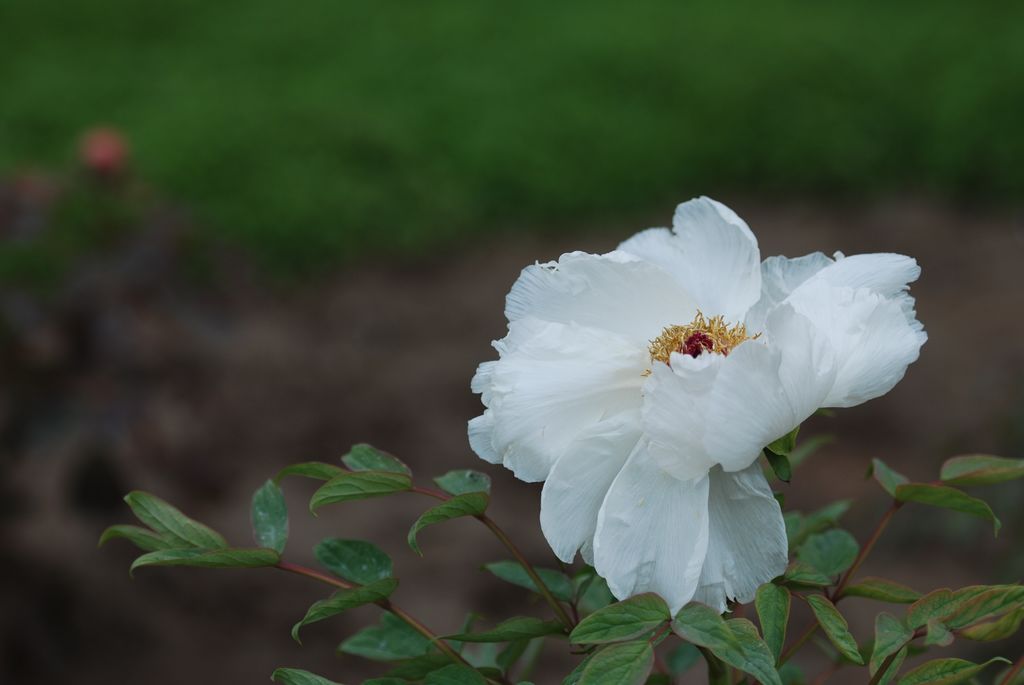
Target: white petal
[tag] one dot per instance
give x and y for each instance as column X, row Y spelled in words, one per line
column 652, row 532
column 711, row 253
column 874, row 337
column 481, row 437
column 747, row 545
column 726, row 409
column 552, row 382
column 614, row 292
column 576, row 486
column 884, row 273
column 779, row 277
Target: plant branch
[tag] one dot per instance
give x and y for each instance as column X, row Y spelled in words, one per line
column 542, row 588
column 866, row 549
column 837, row 595
column 530, row 571
column 385, row 604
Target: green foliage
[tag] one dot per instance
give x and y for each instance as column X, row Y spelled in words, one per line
column 392, row 639
column 343, row 600
column 464, row 480
column 317, row 470
column 773, row 605
column 835, row 627
column 883, row 590
column 516, row 628
column 619, row 638
column 469, row 504
column 146, row 540
column 270, row 517
column 225, row 557
column 891, row 637
column 946, row 671
column 980, row 469
column 829, row 553
column 294, row 676
column 513, row 572
column 702, row 626
column 623, row 620
column 625, row 663
column 455, row 674
column 886, row 477
column 171, row 524
column 359, row 485
column 355, row 560
column 947, row 498
column 799, row 526
column 363, row 457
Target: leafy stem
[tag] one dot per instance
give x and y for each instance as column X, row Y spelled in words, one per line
column 844, row 581
column 511, row 547
column 385, row 604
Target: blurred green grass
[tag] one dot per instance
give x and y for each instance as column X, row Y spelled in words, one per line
column 320, row 130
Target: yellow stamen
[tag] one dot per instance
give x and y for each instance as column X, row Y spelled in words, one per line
column 698, row 336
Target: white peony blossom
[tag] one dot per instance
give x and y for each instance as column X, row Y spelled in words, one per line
column 641, row 386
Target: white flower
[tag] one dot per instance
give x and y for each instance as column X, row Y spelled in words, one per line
column 641, row 385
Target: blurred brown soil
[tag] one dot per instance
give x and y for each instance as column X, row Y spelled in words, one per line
column 202, row 396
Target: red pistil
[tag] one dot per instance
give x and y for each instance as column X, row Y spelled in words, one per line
column 697, row 343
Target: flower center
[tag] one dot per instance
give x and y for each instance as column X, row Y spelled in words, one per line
column 697, row 337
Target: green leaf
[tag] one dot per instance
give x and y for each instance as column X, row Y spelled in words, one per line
column 886, row 477
column 417, row 668
column 980, row 469
column 703, row 626
column 316, row 470
column 750, row 654
column 628, row 663
column 808, row 447
column 979, row 602
column 784, row 445
column 359, row 485
column 947, row 498
column 392, row 639
column 773, row 604
column 171, row 524
column 937, row 634
column 270, row 517
column 386, row 681
column 226, row 557
column 355, row 560
column 513, row 572
column 577, row 673
column 831, row 552
column 463, row 481
column 144, row 539
column 791, row 674
column 682, row 659
column 295, row 676
column 883, row 590
column 801, row 574
column 799, row 527
column 780, row 465
column 891, row 635
column 835, row 627
column 507, row 658
column 343, row 600
column 595, row 595
column 623, row 620
column 999, row 629
column 455, row 674
column 516, row 628
column 470, row 504
column 946, row 671
column 363, row 457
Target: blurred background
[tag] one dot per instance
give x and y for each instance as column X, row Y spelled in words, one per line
column 237, row 235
